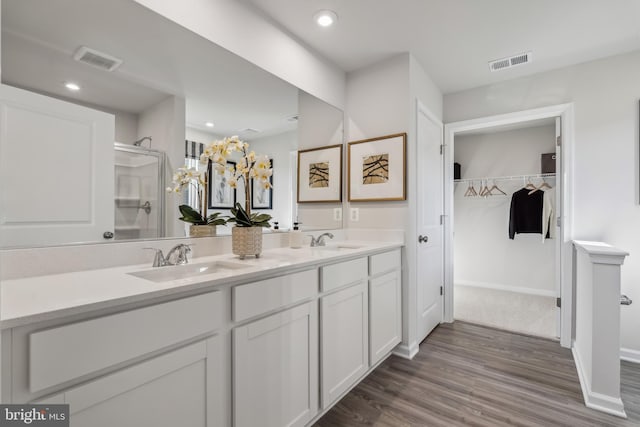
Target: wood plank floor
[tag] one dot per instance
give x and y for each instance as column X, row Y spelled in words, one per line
column 467, row 374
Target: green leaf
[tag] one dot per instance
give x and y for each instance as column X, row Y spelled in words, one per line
column 191, row 215
column 242, row 219
column 214, row 220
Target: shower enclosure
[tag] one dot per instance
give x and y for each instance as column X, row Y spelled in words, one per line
column 139, row 192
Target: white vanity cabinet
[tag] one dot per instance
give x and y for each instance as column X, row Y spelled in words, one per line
column 275, row 358
column 385, row 304
column 158, row 365
column 345, row 326
column 268, row 350
column 182, row 387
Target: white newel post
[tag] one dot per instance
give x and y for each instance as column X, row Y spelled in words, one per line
column 596, row 347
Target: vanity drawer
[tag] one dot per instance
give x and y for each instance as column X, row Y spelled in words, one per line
column 61, row 354
column 337, row 275
column 381, row 263
column 261, row 297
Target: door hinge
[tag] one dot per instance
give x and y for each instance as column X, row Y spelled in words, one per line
column 441, row 219
column 558, row 222
column 558, row 302
column 441, row 290
column 559, row 141
column 441, row 148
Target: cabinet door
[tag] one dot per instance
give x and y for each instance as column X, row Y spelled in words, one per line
column 344, row 340
column 180, row 388
column 385, row 317
column 275, row 369
column 63, row 155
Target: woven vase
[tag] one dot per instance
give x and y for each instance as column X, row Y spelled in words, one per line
column 246, row 241
column 202, row 231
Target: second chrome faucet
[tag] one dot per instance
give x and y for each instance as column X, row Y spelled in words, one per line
column 181, row 250
column 319, row 241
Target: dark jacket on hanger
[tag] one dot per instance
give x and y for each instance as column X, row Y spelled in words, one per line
column 526, row 212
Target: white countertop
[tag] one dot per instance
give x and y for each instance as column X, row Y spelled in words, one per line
column 34, row 299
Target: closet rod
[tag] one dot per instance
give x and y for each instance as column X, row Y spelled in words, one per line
column 508, row 178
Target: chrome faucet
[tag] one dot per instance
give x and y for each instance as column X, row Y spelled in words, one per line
column 319, row 241
column 181, row 258
column 160, row 260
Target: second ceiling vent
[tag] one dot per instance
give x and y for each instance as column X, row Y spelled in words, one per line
column 509, row 62
column 96, row 58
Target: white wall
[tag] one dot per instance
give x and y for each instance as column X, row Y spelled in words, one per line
column 605, row 97
column 200, row 136
column 381, row 100
column 239, row 29
column 483, row 253
column 319, row 124
column 278, row 147
column 165, row 123
column 378, row 104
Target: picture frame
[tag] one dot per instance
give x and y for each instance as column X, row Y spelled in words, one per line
column 262, row 198
column 320, row 174
column 221, row 195
column 377, row 169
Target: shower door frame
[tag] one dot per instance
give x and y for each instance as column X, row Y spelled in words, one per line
column 160, row 155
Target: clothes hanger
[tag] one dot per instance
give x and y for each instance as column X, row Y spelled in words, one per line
column 470, row 190
column 495, row 187
column 483, row 190
column 541, row 187
column 544, row 185
column 530, row 186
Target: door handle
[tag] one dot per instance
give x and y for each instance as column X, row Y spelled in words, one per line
column 423, row 239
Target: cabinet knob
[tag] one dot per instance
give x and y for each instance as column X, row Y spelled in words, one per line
column 107, row 235
column 423, row 239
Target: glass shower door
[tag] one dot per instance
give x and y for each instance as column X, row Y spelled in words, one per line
column 139, row 193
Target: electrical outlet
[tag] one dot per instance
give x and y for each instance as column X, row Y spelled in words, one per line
column 337, row 214
column 354, row 214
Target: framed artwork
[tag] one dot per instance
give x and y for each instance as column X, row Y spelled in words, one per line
column 320, row 174
column 262, row 198
column 221, row 195
column 377, row 169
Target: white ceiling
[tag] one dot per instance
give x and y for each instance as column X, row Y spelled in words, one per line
column 454, row 39
column 160, row 59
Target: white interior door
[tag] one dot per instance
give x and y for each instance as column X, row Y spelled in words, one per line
column 430, row 246
column 62, row 190
column 558, row 221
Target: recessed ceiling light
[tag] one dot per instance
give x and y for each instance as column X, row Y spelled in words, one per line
column 325, row 18
column 72, row 86
column 209, row 124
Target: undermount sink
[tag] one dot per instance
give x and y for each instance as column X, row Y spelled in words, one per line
column 175, row 272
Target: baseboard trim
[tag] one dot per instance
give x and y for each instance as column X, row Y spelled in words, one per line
column 593, row 400
column 406, row 351
column 629, row 355
column 506, row 288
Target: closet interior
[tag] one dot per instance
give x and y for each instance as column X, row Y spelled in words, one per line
column 505, row 227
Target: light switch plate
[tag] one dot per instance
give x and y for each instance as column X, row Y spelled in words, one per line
column 354, row 214
column 337, row 214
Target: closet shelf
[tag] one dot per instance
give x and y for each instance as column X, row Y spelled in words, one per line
column 508, row 178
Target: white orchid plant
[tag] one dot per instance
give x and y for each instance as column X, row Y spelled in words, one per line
column 250, row 166
column 185, row 177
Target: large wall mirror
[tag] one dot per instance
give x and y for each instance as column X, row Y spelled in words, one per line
column 145, row 86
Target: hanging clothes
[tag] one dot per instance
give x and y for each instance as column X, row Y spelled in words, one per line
column 526, row 212
column 548, row 226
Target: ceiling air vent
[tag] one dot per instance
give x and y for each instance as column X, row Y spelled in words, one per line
column 96, row 59
column 248, row 131
column 512, row 61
